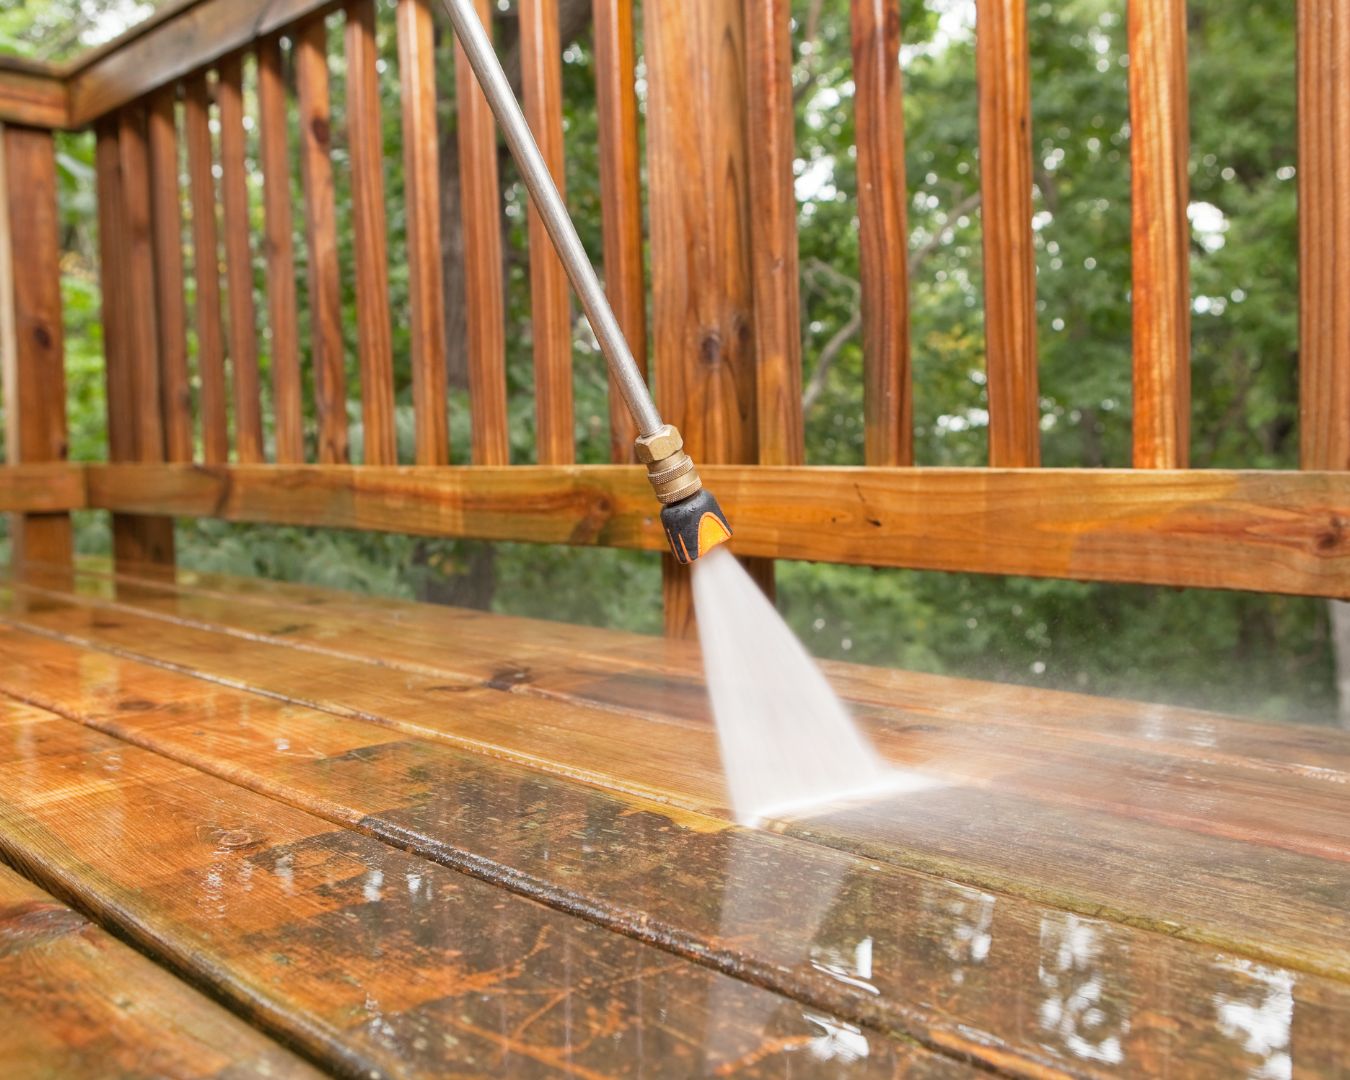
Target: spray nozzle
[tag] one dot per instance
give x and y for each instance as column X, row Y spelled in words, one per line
column 693, row 521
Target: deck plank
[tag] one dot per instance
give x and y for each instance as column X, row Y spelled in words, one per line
column 373, row 960
column 80, row 1004
column 946, row 964
column 1282, row 906
column 1296, row 813
column 635, row 670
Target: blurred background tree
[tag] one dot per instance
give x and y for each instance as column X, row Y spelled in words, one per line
column 1272, row 656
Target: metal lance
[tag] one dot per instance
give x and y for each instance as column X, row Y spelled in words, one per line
column 693, row 521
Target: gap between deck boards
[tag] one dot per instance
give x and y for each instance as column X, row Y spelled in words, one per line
column 857, row 835
column 660, row 810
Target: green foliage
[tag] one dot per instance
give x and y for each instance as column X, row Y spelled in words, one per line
column 1261, row 654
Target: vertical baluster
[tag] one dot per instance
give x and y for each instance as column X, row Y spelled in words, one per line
column 1324, row 233
column 372, row 276
column 170, row 307
column 287, row 396
column 421, row 172
column 248, row 434
column 325, row 302
column 206, row 270
column 32, row 346
column 1004, row 71
column 480, row 202
column 620, row 198
column 883, row 235
column 550, row 303
column 139, row 262
column 1160, row 251
column 773, row 233
column 135, row 432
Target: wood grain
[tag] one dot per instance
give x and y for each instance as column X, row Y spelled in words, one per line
column 135, row 431
column 616, row 670
column 32, row 342
column 620, row 199
column 1160, row 233
column 206, row 271
column 1004, row 76
column 477, row 814
column 80, row 1004
column 112, row 247
column 248, row 432
column 189, row 39
column 1096, row 860
column 883, row 233
column 773, row 233
column 138, row 263
column 1324, row 234
column 366, row 138
column 1255, row 799
column 480, row 204
column 1263, row 531
column 325, row 300
column 550, row 301
column 279, row 246
column 41, row 489
column 363, row 956
column 703, row 320
column 421, row 171
column 166, row 207
column 32, row 98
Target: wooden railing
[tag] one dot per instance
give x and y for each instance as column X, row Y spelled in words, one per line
column 724, row 340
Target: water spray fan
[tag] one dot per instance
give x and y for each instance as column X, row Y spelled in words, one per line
column 693, row 521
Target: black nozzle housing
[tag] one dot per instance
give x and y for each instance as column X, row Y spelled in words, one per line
column 694, row 526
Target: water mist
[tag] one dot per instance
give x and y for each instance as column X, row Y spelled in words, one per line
column 789, row 746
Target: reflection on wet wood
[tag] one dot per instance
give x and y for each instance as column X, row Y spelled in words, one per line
column 1017, row 985
column 1110, row 846
column 78, row 1003
column 1283, row 811
column 1190, row 733
column 374, row 961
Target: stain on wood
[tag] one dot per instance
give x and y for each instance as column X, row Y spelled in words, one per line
column 1210, row 837
column 790, row 916
column 1266, row 531
column 78, row 1003
column 371, row 959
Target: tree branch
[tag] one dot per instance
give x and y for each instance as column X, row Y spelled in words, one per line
column 841, row 337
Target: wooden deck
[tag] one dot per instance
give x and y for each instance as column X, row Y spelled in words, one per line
column 388, row 839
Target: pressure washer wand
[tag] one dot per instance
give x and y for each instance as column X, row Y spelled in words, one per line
column 693, row 521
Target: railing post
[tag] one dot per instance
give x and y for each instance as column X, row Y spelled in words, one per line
column 1324, row 274
column 32, row 349
column 703, row 320
column 130, row 341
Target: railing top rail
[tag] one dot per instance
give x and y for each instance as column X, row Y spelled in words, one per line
column 180, row 38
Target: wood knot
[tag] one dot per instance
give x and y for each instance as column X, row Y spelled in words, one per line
column 135, row 705
column 1333, row 537
column 234, row 839
column 508, row 676
column 32, row 923
column 321, row 130
column 710, row 349
column 42, row 337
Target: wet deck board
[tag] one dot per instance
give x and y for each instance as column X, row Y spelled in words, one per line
column 464, row 749
column 1179, row 845
column 77, row 1003
column 887, row 949
column 629, row 671
column 372, row 960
